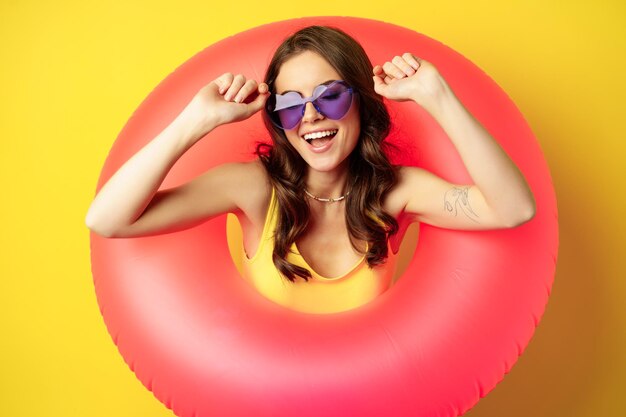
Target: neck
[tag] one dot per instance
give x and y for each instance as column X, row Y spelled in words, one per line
column 327, row 184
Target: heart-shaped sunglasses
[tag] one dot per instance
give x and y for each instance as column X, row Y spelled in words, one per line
column 332, row 100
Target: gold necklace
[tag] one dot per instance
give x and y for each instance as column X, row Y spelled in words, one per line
column 326, row 200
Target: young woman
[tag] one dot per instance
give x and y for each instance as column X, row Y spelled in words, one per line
column 322, row 210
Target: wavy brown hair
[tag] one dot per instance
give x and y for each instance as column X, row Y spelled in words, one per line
column 371, row 174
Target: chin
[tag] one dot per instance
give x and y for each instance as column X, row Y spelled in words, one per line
column 325, row 164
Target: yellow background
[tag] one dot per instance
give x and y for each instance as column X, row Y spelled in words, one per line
column 72, row 72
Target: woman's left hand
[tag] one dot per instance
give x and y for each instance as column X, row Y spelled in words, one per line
column 408, row 77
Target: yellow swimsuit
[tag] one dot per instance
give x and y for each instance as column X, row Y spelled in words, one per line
column 320, row 294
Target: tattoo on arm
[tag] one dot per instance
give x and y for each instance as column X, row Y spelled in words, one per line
column 456, row 200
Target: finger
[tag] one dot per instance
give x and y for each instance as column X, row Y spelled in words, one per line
column 248, row 87
column 379, row 84
column 389, row 80
column 238, row 82
column 403, row 65
column 258, row 103
column 377, row 70
column 393, row 71
column 224, row 81
column 412, row 60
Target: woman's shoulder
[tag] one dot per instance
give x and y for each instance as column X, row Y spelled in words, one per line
column 252, row 188
column 252, row 171
column 407, row 177
column 406, row 172
column 246, row 175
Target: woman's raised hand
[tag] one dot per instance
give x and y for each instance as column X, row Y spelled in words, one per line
column 408, row 77
column 228, row 98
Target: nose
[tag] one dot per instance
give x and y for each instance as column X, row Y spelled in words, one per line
column 310, row 113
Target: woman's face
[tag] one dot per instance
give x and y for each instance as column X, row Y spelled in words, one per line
column 302, row 73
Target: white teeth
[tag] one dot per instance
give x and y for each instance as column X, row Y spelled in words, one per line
column 318, row 135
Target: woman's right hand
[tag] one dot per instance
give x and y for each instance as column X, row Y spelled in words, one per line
column 229, row 98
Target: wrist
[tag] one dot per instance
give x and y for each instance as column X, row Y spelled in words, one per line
column 438, row 97
column 193, row 128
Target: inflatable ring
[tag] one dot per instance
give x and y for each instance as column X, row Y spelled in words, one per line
column 207, row 344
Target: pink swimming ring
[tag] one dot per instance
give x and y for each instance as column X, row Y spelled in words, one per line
column 207, row 344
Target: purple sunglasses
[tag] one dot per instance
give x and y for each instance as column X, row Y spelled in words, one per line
column 332, row 100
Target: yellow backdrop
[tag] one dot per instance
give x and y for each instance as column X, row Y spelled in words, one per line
column 72, row 72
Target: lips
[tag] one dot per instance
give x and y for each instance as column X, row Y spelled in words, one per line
column 320, row 140
column 319, row 134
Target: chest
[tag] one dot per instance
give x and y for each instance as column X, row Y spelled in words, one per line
column 326, row 247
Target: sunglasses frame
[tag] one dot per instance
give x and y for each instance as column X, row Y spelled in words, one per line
column 312, row 99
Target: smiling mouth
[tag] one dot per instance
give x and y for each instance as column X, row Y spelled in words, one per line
column 319, row 139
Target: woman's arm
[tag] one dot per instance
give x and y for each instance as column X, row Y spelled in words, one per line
column 499, row 197
column 129, row 203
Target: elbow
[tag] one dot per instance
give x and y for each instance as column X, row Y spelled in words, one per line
column 94, row 227
column 522, row 216
column 528, row 216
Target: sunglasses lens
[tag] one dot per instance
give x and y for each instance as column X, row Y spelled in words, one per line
column 335, row 101
column 290, row 116
column 285, row 110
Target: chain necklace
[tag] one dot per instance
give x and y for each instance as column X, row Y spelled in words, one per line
column 326, row 200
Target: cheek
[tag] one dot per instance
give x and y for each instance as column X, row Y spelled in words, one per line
column 353, row 123
column 355, row 117
column 294, row 140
